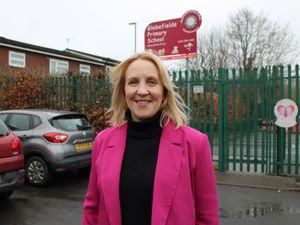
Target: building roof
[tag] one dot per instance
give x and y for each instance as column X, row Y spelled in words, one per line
column 66, row 54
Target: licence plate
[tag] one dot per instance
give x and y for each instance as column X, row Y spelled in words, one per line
column 82, row 146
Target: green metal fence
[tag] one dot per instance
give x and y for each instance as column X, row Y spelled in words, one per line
column 80, row 93
column 234, row 107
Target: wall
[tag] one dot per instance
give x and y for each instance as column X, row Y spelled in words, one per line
column 40, row 62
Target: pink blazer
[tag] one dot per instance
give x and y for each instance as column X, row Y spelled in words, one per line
column 184, row 184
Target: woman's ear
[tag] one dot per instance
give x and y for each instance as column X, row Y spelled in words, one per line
column 165, row 93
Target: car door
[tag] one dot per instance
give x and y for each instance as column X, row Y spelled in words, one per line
column 21, row 125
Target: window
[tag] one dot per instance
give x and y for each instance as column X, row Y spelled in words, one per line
column 58, row 66
column 3, row 129
column 71, row 123
column 108, row 70
column 3, row 117
column 17, row 59
column 85, row 69
column 36, row 121
column 19, row 122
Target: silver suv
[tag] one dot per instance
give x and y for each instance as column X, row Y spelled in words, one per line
column 53, row 141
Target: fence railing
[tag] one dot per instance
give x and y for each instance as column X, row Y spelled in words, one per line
column 234, row 107
column 80, row 92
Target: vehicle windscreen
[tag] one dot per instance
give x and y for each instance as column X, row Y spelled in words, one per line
column 3, row 129
column 70, row 123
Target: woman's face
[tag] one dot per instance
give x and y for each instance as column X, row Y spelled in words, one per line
column 143, row 89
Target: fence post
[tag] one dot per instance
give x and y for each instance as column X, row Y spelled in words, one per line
column 74, row 90
column 220, row 122
column 280, row 150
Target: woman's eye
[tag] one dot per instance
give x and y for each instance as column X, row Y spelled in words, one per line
column 152, row 82
column 132, row 82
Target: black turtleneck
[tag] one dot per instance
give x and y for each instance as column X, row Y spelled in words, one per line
column 138, row 169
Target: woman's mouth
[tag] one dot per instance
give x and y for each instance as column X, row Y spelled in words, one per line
column 142, row 102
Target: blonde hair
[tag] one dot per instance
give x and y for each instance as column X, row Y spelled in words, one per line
column 173, row 107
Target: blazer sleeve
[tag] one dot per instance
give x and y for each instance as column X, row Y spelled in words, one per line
column 205, row 190
column 92, row 198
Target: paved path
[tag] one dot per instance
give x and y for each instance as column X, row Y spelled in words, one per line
column 261, row 181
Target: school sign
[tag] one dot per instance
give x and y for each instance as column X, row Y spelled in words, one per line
column 175, row 38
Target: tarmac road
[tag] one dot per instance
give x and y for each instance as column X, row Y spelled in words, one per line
column 249, row 206
column 57, row 204
column 243, row 200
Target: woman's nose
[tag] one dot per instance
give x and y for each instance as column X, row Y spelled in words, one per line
column 142, row 90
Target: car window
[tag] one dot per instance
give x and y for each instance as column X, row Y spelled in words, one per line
column 71, row 122
column 19, row 122
column 3, row 129
column 3, row 116
column 36, row 121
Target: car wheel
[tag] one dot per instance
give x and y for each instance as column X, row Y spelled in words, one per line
column 6, row 194
column 37, row 171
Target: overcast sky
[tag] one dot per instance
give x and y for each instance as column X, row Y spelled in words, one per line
column 101, row 26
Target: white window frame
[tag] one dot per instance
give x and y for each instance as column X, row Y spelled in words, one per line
column 17, row 59
column 59, row 65
column 85, row 69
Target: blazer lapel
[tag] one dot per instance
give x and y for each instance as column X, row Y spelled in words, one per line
column 167, row 173
column 112, row 162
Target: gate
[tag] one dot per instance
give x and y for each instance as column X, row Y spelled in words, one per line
column 235, row 108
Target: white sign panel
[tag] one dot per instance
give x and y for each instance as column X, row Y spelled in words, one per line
column 197, row 89
column 286, row 111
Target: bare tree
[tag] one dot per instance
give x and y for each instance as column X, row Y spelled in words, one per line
column 254, row 40
column 247, row 40
column 212, row 51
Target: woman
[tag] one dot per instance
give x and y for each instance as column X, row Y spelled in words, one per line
column 149, row 168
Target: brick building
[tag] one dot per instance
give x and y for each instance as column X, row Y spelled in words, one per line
column 19, row 55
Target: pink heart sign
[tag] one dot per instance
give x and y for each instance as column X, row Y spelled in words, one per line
column 285, row 110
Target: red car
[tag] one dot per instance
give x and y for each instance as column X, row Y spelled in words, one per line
column 12, row 172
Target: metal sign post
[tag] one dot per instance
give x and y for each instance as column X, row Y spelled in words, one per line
column 285, row 111
column 188, row 88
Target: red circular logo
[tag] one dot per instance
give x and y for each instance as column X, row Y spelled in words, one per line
column 191, row 21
